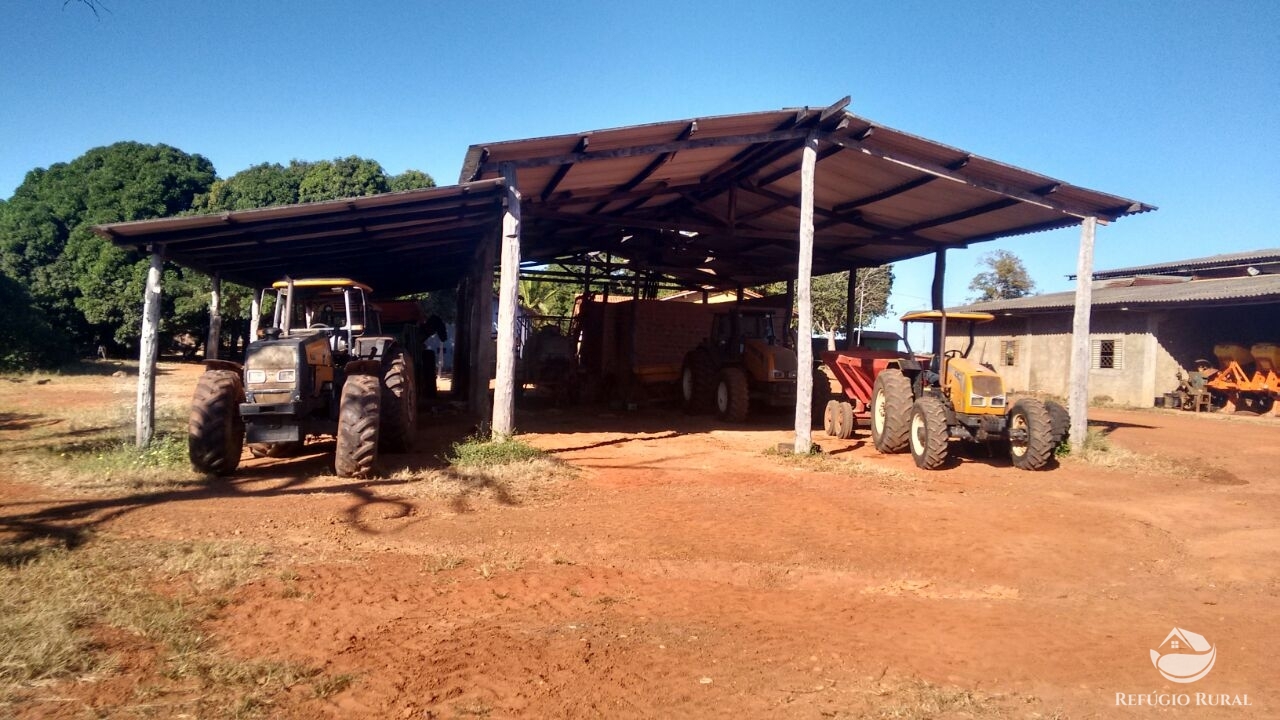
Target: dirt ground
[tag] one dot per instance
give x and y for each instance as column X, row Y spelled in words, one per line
column 685, row 572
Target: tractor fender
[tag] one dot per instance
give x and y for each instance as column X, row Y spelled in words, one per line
column 230, row 365
column 364, row 367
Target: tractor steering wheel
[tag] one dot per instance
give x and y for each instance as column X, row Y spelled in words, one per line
column 951, row 354
column 319, row 326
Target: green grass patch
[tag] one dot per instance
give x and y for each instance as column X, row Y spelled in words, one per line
column 483, row 452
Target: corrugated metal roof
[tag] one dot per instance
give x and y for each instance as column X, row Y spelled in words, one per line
column 882, row 195
column 1212, row 262
column 1215, row 292
column 714, row 201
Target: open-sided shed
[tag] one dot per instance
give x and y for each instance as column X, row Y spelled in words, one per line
column 712, row 202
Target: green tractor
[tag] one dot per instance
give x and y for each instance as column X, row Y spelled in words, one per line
column 319, row 369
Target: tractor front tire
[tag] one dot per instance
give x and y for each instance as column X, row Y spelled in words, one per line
column 215, row 431
column 1034, row 449
column 930, row 444
column 359, row 418
column 732, row 396
column 1059, row 421
column 891, row 411
column 698, row 382
column 399, row 402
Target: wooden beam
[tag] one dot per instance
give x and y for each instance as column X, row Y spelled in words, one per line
column 1078, row 390
column 888, row 233
column 563, row 170
column 962, row 215
column 145, row 425
column 947, row 174
column 504, row 394
column 804, row 292
column 652, row 149
column 213, row 341
column 850, row 308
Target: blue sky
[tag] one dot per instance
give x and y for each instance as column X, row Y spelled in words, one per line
column 1172, row 103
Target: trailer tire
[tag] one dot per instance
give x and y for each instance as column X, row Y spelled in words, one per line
column 698, row 382
column 215, row 430
column 891, row 411
column 930, row 443
column 831, row 417
column 847, row 422
column 1029, row 416
column 359, row 418
column 399, row 402
column 732, row 395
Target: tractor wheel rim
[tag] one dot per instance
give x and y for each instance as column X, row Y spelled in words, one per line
column 686, row 383
column 722, row 397
column 917, row 434
column 1018, row 422
column 878, row 412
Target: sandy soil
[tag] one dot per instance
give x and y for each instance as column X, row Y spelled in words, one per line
column 683, row 572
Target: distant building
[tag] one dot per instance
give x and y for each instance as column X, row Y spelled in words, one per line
column 1147, row 323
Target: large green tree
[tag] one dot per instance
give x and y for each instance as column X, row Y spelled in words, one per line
column 830, row 295
column 1004, row 279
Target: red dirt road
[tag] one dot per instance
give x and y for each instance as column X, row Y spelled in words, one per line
column 683, row 572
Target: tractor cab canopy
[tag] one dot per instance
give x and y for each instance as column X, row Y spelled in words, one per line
column 933, row 316
column 310, row 305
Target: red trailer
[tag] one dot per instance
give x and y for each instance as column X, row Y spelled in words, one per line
column 856, row 371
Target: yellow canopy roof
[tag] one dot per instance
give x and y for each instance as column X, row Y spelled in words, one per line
column 936, row 316
column 322, row 282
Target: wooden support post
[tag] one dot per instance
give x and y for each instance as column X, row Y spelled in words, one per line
column 1078, row 391
column 804, row 280
column 939, row 276
column 150, row 350
column 462, row 342
column 483, row 367
column 851, row 310
column 740, row 293
column 213, row 342
column 255, row 316
column 504, row 394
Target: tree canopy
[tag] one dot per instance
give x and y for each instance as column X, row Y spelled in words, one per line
column 87, row 290
column 1005, row 278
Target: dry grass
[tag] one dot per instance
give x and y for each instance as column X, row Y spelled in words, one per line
column 889, row 479
column 1098, row 451
column 519, row 482
column 65, row 613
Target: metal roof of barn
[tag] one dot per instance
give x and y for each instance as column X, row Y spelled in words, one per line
column 717, row 199
column 1187, row 267
column 1217, row 292
column 712, row 201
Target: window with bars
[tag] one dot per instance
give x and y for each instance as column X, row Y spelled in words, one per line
column 1108, row 354
column 1008, row 353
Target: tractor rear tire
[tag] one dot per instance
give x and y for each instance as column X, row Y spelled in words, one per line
column 732, row 395
column 215, row 430
column 1059, row 421
column 1030, row 416
column 359, row 418
column 930, row 443
column 820, row 395
column 275, row 449
column 399, row 402
column 891, row 411
column 698, row 378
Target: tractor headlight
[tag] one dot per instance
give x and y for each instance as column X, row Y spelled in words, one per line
column 997, row 401
column 977, row 401
column 286, row 376
column 778, row 374
column 256, row 376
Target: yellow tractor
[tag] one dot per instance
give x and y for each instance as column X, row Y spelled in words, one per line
column 956, row 399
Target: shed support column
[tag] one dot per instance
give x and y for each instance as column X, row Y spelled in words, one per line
column 804, row 297
column 939, row 278
column 482, row 334
column 255, row 316
column 212, row 343
column 146, row 410
column 851, row 311
column 504, row 394
column 1078, row 392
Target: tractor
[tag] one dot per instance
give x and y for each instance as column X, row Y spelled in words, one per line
column 321, row 368
column 741, row 364
column 927, row 407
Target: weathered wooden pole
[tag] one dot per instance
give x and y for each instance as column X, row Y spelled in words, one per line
column 483, row 333
column 851, row 309
column 213, row 342
column 146, row 406
column 938, row 301
column 255, row 315
column 504, row 393
column 804, row 296
column 1078, row 393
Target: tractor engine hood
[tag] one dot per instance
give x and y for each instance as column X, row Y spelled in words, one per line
column 772, row 363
